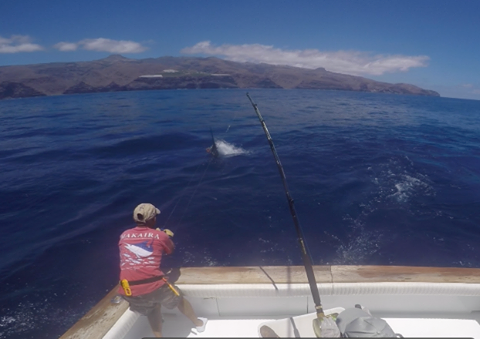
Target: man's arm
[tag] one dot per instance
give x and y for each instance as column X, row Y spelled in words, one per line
column 169, row 246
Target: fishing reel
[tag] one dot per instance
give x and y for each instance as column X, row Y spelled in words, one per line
column 167, row 232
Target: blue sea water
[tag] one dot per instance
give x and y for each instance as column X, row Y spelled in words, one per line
column 377, row 179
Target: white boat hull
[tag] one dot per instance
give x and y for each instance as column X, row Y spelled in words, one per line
column 415, row 301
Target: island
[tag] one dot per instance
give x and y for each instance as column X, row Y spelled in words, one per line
column 117, row 73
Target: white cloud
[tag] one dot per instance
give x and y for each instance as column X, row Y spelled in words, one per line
column 17, row 44
column 112, row 46
column 349, row 62
column 471, row 88
column 66, row 46
column 102, row 45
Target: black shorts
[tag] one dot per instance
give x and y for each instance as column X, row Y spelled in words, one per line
column 146, row 303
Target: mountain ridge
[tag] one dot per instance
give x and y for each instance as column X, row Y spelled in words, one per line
column 118, row 73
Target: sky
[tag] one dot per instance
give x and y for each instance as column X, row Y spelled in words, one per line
column 433, row 44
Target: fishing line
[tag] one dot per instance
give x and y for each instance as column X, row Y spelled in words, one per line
column 185, row 190
column 181, row 196
column 228, row 128
column 193, row 194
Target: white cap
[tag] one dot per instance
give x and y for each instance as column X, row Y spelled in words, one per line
column 145, row 212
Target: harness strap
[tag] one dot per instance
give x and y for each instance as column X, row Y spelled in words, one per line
column 145, row 281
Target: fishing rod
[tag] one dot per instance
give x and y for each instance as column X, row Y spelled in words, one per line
column 322, row 322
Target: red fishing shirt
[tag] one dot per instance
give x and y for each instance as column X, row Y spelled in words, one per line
column 141, row 250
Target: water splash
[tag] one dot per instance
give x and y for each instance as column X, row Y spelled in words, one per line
column 400, row 182
column 226, row 149
column 398, row 185
column 409, row 186
column 360, row 245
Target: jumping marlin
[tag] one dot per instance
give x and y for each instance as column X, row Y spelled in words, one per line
column 213, row 149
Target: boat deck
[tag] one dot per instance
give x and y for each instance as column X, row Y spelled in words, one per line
column 240, row 328
column 179, row 326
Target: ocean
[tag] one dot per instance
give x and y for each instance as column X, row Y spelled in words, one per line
column 377, row 179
